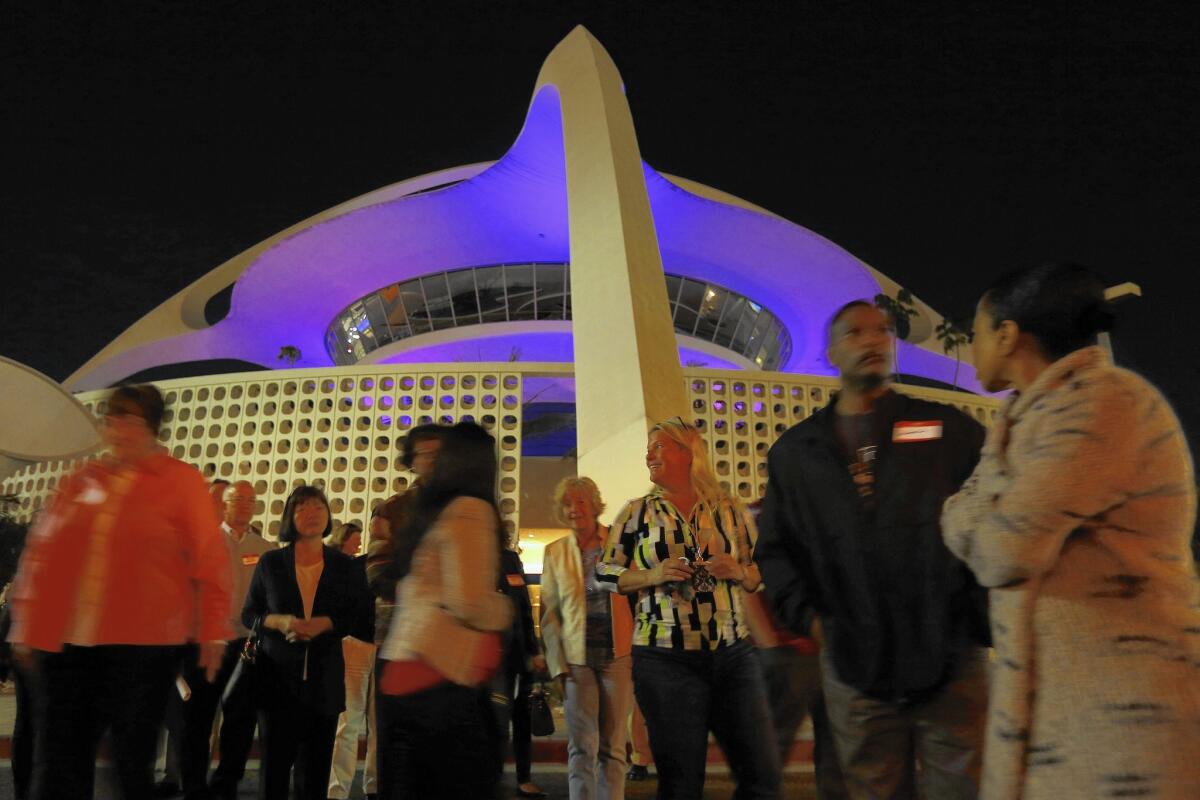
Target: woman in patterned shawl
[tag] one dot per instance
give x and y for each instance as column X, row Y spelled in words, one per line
column 1078, row 518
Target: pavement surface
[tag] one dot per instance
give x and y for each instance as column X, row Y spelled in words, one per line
column 553, row 781
column 549, row 770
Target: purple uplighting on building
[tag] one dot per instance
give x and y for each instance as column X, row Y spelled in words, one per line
column 322, row 286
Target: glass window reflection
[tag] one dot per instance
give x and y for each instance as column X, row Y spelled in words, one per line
column 541, row 291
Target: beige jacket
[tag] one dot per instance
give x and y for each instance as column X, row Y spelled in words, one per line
column 564, row 608
column 1078, row 518
column 449, row 598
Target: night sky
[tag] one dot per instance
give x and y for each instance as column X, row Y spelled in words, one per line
column 146, row 143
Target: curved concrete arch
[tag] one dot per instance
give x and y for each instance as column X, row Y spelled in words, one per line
column 627, row 369
column 512, row 210
column 53, row 424
column 183, row 313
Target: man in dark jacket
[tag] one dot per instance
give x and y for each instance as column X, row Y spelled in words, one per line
column 851, row 553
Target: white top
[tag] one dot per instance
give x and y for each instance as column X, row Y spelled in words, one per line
column 449, row 599
column 307, row 577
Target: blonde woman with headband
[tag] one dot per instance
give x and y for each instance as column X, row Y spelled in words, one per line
column 587, row 630
column 686, row 550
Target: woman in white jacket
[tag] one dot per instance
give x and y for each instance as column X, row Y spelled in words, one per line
column 587, row 632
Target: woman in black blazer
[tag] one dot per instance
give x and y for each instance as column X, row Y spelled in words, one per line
column 303, row 599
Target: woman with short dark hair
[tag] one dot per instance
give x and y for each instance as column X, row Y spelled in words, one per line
column 1078, row 518
column 444, row 642
column 303, row 599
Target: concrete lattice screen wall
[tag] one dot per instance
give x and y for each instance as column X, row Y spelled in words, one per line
column 741, row 414
column 342, row 428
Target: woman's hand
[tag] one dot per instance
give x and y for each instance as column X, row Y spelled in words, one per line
column 210, row 657
column 305, row 630
column 537, row 664
column 671, row 570
column 279, row 622
column 725, row 567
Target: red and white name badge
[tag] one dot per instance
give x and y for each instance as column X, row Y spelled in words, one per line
column 250, row 560
column 516, row 581
column 917, row 431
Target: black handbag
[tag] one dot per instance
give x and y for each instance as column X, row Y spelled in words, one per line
column 242, row 686
column 541, row 720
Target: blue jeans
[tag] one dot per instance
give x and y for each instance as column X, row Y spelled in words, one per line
column 684, row 695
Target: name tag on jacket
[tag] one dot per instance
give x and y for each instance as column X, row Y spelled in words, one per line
column 516, row 581
column 250, row 559
column 917, row 431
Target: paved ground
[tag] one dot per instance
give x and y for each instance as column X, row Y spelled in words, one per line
column 797, row 785
column 549, row 771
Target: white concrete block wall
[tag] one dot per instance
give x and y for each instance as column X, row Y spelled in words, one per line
column 340, row 428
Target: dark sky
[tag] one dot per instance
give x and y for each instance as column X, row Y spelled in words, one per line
column 147, row 142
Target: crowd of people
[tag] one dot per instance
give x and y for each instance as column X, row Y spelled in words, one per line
column 1012, row 613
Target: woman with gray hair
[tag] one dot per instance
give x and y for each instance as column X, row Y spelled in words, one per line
column 586, row 632
column 686, row 550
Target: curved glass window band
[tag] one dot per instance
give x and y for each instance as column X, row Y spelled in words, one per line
column 541, row 291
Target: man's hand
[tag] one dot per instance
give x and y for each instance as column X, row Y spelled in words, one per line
column 725, row 567
column 818, row 632
column 669, row 571
column 537, row 664
column 23, row 657
column 209, row 660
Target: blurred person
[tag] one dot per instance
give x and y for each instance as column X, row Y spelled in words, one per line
column 304, row 598
column 792, row 669
column 172, row 783
column 216, row 491
column 587, row 629
column 687, row 550
column 359, row 657
column 523, row 664
column 444, row 643
column 389, row 519
column 1078, row 518
column 852, row 555
column 244, row 547
column 347, row 538
column 124, row 568
column 21, row 759
column 641, row 757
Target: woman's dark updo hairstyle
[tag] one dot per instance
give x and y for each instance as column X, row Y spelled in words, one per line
column 1062, row 306
column 287, row 529
column 465, row 467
